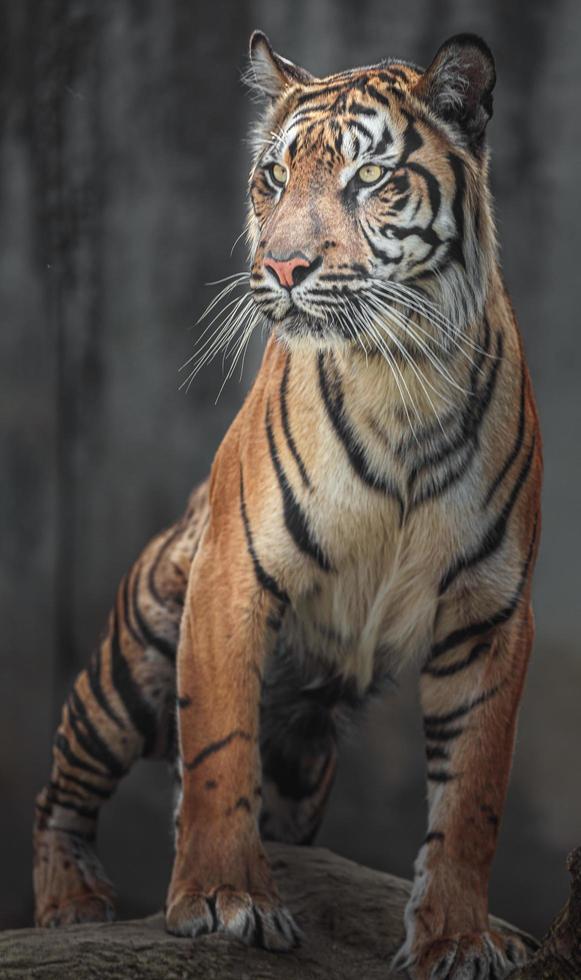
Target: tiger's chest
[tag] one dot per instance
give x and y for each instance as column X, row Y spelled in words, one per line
column 380, row 521
column 374, row 610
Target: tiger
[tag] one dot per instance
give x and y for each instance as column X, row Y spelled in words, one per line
column 374, row 505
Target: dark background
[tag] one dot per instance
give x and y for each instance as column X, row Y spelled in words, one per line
column 123, row 165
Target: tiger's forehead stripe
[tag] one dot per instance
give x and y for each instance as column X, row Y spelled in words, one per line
column 352, row 115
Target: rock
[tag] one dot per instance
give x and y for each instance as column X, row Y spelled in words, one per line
column 352, row 918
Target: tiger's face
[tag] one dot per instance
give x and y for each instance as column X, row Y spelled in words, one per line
column 369, row 196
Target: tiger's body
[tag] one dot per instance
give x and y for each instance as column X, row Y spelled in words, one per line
column 359, row 518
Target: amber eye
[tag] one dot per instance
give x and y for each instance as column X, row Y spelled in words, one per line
column 370, row 173
column 278, row 174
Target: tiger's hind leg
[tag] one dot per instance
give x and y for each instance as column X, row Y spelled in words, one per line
column 302, row 712
column 120, row 708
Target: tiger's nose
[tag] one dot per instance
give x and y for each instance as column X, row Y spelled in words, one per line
column 291, row 271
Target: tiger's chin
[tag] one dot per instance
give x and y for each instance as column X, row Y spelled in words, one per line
column 303, row 332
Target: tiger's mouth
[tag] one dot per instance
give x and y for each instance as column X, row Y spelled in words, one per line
column 307, row 322
column 299, row 317
column 301, row 327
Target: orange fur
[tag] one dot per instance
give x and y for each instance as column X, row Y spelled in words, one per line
column 359, row 517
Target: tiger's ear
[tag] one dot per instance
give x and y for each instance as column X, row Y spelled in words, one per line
column 458, row 85
column 269, row 72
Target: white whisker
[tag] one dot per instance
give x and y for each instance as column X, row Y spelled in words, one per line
column 239, row 351
column 408, row 326
column 235, row 275
column 378, row 341
column 419, row 374
column 430, row 312
column 204, row 342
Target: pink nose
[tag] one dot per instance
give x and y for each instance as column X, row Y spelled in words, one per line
column 286, row 270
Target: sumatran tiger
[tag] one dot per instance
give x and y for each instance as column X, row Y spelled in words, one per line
column 374, row 504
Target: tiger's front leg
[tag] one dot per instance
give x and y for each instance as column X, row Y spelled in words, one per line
column 470, row 691
column 221, row 879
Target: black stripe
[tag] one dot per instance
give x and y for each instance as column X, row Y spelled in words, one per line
column 457, row 251
column 138, row 637
column 436, row 752
column 426, row 235
column 474, row 655
column 412, row 140
column 61, row 743
column 94, row 675
column 494, row 536
column 456, row 637
column 286, row 424
column 141, row 714
column 103, row 794
column 439, row 776
column 294, row 517
column 394, row 74
column 321, row 93
column 439, row 487
column 83, row 811
column 463, row 710
column 517, row 443
column 434, row 835
column 484, row 349
column 78, row 834
column 340, row 277
column 56, row 787
column 441, row 735
column 473, row 414
column 334, row 404
column 376, row 94
column 148, row 637
column 92, row 743
column 431, row 183
column 379, row 253
column 354, row 124
column 460, row 636
column 265, row 580
column 358, row 109
column 167, row 543
column 385, row 140
column 216, row 747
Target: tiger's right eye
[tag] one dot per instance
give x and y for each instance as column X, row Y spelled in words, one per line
column 370, row 173
column 278, row 174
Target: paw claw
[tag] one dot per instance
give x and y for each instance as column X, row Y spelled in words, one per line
column 236, row 914
column 474, row 956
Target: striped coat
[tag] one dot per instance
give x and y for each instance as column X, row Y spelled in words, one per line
column 374, row 505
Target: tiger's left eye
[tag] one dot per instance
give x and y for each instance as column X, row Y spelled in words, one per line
column 278, row 174
column 370, row 173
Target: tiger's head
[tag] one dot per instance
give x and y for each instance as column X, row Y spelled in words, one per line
column 369, row 196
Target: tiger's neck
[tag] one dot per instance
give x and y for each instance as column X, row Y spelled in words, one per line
column 405, row 388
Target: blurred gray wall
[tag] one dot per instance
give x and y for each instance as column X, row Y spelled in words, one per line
column 122, row 178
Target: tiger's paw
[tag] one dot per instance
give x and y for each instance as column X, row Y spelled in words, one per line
column 70, row 885
column 254, row 920
column 469, row 956
column 84, row 908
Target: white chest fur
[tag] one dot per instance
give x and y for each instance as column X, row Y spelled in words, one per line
column 375, row 610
